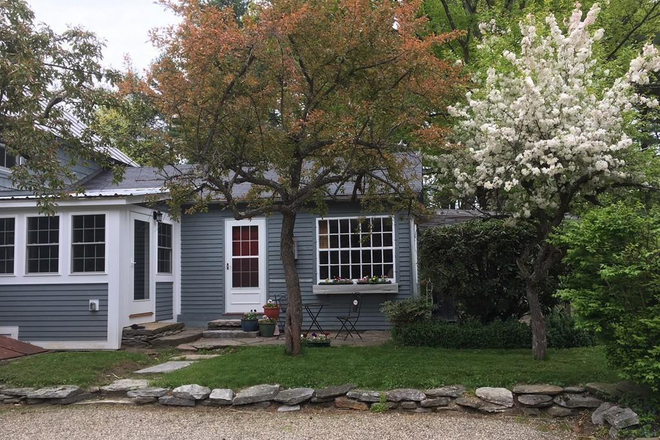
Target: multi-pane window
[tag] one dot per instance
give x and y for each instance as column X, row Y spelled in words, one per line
column 43, row 244
column 245, row 256
column 164, row 248
column 354, row 248
column 6, row 160
column 88, row 243
column 7, row 226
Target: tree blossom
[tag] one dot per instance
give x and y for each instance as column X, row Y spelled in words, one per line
column 546, row 130
column 543, row 133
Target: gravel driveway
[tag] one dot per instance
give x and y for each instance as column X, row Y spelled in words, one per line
column 118, row 423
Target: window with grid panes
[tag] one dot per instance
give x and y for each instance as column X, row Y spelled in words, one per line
column 88, row 244
column 354, row 248
column 7, row 226
column 164, row 248
column 43, row 244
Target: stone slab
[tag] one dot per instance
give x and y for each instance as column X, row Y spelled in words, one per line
column 453, row 391
column 191, row 392
column 177, row 339
column 498, row 396
column 621, row 418
column 346, row 403
column 364, row 395
column 550, row 390
column 221, row 396
column 124, row 385
column 229, row 334
column 61, row 392
column 256, row 394
column 408, row 394
column 577, row 401
column 166, row 367
column 175, row 401
column 480, row 405
column 288, row 408
column 147, row 392
column 597, row 416
column 333, row 391
column 294, row 396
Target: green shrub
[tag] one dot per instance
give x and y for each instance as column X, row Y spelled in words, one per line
column 407, row 311
column 471, row 333
column 473, row 264
column 613, row 254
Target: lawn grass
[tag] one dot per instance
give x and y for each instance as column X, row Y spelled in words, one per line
column 390, row 366
column 75, row 368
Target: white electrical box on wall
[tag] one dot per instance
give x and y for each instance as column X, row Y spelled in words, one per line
column 94, row 305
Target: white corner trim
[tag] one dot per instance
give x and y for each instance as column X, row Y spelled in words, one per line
column 413, row 256
column 11, row 331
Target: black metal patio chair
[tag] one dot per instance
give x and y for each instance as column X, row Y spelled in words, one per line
column 349, row 321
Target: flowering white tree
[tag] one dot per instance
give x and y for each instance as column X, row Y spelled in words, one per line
column 544, row 133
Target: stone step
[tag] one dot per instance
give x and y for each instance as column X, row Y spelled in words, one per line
column 224, row 324
column 180, row 338
column 153, row 329
column 229, row 334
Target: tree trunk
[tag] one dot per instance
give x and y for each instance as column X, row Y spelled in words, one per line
column 539, row 332
column 294, row 307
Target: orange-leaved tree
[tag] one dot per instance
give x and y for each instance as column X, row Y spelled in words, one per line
column 296, row 101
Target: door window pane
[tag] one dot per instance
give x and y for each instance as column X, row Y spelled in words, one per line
column 140, row 260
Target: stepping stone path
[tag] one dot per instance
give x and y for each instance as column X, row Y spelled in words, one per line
column 166, row 367
column 498, row 396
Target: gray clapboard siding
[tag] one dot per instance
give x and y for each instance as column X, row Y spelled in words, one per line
column 164, row 301
column 202, row 261
column 55, row 312
column 202, row 267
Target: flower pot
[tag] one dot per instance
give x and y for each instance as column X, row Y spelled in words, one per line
column 250, row 325
column 267, row 330
column 319, row 344
column 272, row 312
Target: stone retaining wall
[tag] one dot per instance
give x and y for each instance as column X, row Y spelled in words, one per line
column 534, row 400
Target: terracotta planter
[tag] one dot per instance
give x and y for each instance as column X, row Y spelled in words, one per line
column 272, row 312
column 250, row 325
column 267, row 330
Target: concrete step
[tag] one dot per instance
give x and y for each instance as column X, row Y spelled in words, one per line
column 229, row 334
column 180, row 338
column 224, row 324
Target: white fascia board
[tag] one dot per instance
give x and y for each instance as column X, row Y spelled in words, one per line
column 89, row 200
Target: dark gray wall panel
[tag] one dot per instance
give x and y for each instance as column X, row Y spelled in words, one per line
column 55, row 312
column 164, row 301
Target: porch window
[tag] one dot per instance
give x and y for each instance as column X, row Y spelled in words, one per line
column 164, row 248
column 43, row 244
column 354, row 248
column 7, row 226
column 88, row 244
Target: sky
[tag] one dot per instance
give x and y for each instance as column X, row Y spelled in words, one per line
column 123, row 24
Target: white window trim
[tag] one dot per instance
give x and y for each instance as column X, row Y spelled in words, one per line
column 28, row 245
column 72, row 244
column 171, row 248
column 352, row 217
column 13, row 273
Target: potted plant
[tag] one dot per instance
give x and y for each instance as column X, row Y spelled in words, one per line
column 317, row 340
column 272, row 310
column 374, row 280
column 250, row 321
column 267, row 326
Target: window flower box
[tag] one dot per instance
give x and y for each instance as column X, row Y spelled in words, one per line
column 349, row 289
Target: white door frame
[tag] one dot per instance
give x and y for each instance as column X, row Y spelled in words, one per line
column 262, row 289
column 142, row 305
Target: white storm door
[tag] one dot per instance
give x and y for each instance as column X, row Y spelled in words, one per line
column 245, row 265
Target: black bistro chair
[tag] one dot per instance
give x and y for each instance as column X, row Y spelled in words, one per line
column 349, row 321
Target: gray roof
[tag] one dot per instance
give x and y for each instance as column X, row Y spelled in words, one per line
column 448, row 217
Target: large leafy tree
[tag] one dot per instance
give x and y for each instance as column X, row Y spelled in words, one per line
column 45, row 76
column 295, row 101
column 543, row 133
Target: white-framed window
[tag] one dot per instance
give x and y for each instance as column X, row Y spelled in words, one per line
column 88, row 243
column 164, row 248
column 43, row 237
column 356, row 247
column 7, row 237
column 8, row 160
